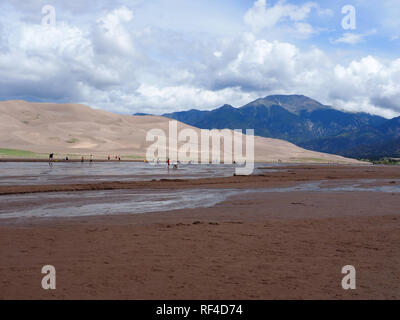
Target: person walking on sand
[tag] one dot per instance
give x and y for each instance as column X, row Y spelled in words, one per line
column 91, row 158
column 83, row 159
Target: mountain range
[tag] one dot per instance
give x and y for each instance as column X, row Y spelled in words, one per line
column 306, row 123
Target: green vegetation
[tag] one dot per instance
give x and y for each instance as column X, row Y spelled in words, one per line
column 19, row 153
column 387, row 161
column 72, row 140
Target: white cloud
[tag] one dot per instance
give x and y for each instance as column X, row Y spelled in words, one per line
column 303, row 29
column 109, row 62
column 354, row 38
column 262, row 16
column 350, row 38
column 60, row 63
column 112, row 33
column 170, row 97
column 369, row 85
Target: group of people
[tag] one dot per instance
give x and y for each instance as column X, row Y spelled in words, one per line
column 91, row 159
column 118, row 157
column 175, row 165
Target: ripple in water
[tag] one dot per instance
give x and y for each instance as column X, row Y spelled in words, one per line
column 93, row 203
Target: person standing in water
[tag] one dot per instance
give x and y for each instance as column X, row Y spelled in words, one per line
column 51, row 156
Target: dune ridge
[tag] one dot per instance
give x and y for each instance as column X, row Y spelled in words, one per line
column 80, row 129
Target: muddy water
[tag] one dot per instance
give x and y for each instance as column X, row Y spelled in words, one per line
column 21, row 173
column 92, row 203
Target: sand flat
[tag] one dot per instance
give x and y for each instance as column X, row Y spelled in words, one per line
column 262, row 246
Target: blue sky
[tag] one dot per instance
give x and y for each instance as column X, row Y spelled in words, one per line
column 160, row 56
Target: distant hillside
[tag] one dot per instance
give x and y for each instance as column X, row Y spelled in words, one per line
column 298, row 119
column 294, row 118
column 142, row 114
column 366, row 142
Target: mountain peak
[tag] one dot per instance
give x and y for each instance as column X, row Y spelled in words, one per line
column 295, row 103
column 296, row 118
column 226, row 106
column 292, row 103
column 288, row 97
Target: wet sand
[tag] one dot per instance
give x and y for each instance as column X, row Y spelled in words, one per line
column 261, row 246
column 76, row 159
column 287, row 176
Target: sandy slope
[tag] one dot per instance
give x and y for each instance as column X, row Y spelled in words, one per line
column 79, row 129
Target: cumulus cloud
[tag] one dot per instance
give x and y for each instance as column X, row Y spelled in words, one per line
column 369, row 85
column 260, row 66
column 60, row 63
column 189, row 96
column 111, row 31
column 110, row 62
column 263, row 16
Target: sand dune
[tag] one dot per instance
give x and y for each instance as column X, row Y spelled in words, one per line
column 79, row 129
